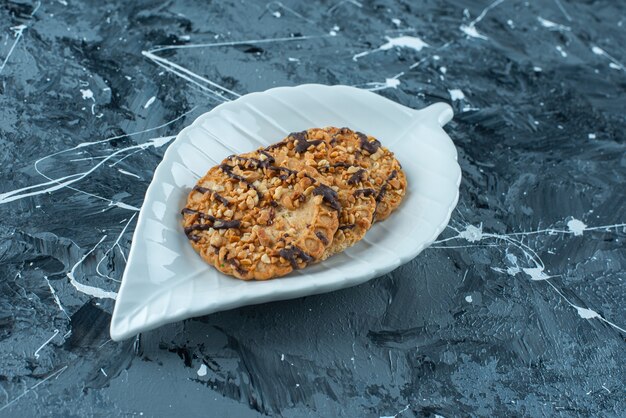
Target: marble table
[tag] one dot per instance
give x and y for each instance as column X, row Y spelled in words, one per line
column 518, row 309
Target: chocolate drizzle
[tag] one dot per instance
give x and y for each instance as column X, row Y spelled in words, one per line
column 366, row 145
column 329, row 196
column 269, row 156
column 215, row 223
column 272, row 214
column 292, row 253
column 202, row 189
column 383, row 188
column 222, row 224
column 254, row 162
column 276, row 145
column 198, row 227
column 229, row 172
column 215, row 194
column 335, row 165
column 302, row 144
column 299, row 136
column 187, row 211
column 300, row 139
column 258, row 164
column 341, row 164
column 289, row 171
column 221, row 199
column 322, row 237
column 357, row 177
column 365, row 192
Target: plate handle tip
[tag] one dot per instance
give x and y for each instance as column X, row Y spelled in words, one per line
column 441, row 112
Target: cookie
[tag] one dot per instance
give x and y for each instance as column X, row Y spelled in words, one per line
column 357, row 209
column 254, row 219
column 383, row 171
column 366, row 176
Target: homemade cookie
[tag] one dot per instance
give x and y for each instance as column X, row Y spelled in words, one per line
column 366, row 176
column 382, row 170
column 357, row 208
column 254, row 219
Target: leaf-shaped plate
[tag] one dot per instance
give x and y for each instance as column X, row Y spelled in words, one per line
column 166, row 281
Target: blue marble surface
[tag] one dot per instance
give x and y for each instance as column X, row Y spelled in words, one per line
column 518, row 309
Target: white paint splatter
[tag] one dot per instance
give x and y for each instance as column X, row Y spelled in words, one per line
column 87, row 94
column 472, row 233
column 616, row 64
column 410, row 42
column 191, row 77
column 560, row 49
column 577, row 227
column 443, row 70
column 536, row 273
column 553, row 25
column 514, row 268
column 202, row 371
column 18, row 31
column 67, row 181
column 86, row 289
column 567, row 16
column 392, row 83
column 456, row 94
column 50, row 376
column 276, row 14
column 469, row 299
column 128, row 173
column 115, row 244
column 149, row 102
column 282, row 357
column 404, row 42
column 470, row 29
column 396, row 21
column 290, row 59
column 56, row 332
column 597, row 50
column 586, row 313
column 396, row 415
column 123, row 205
column 338, row 4
column 537, row 69
column 56, row 297
column 591, row 136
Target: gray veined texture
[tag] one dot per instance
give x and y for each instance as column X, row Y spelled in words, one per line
column 90, row 99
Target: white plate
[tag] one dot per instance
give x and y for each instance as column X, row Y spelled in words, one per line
column 166, row 281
